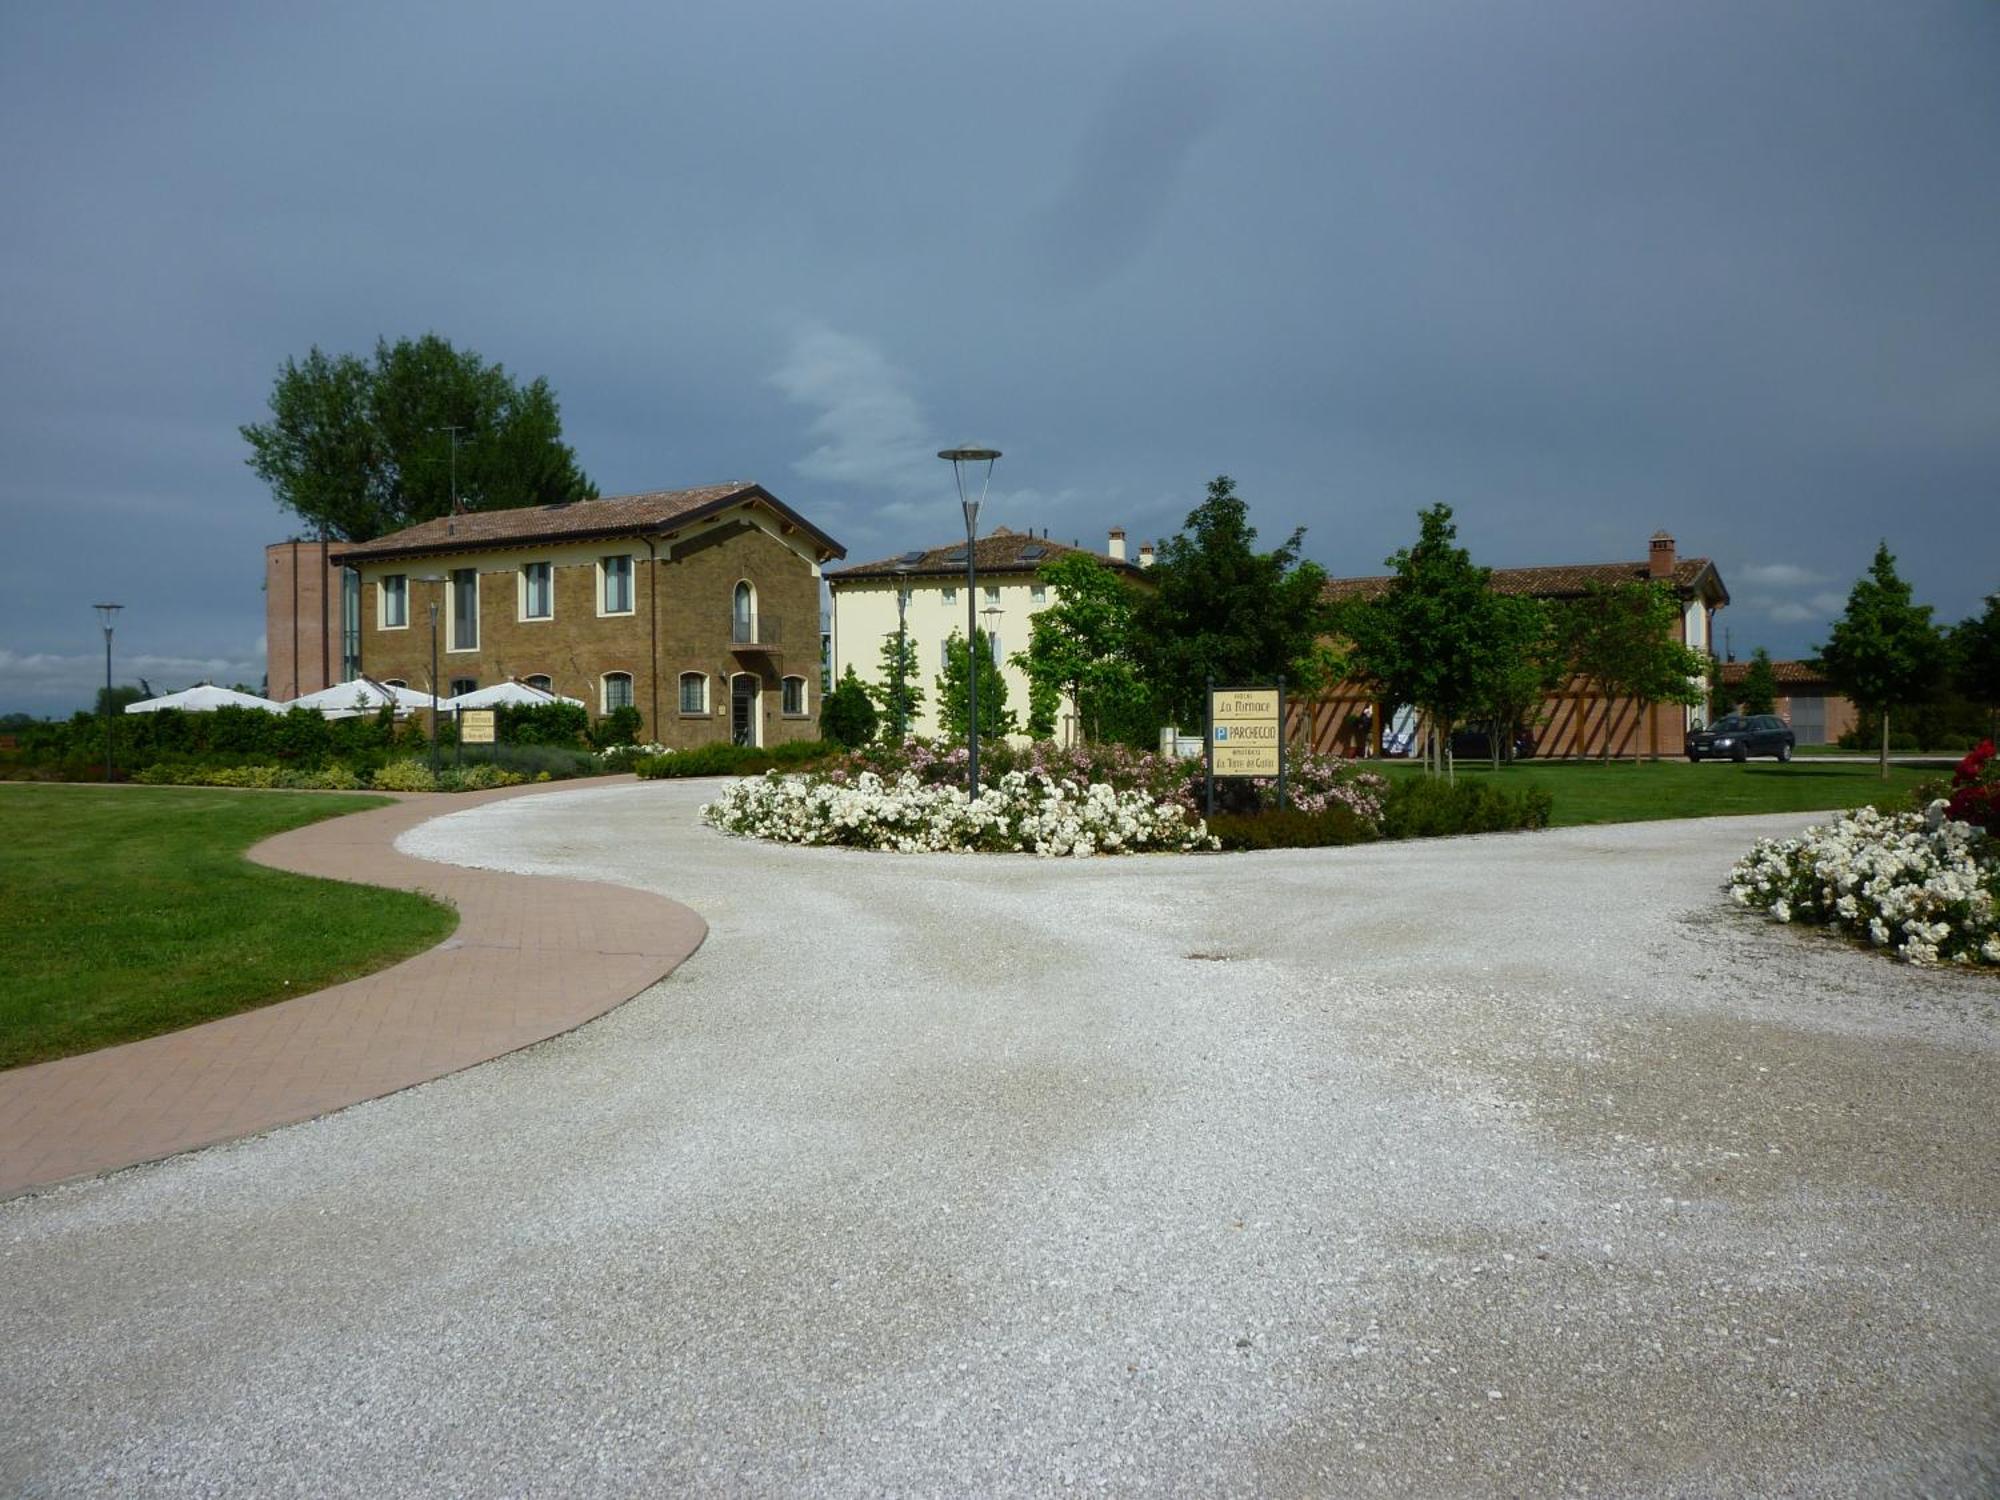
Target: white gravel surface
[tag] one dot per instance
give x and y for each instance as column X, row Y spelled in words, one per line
column 1516, row 1165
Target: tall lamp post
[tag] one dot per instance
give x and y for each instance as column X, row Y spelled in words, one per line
column 437, row 579
column 109, row 614
column 902, row 652
column 966, row 471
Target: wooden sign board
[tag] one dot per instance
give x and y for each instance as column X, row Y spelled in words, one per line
column 1246, row 731
column 475, row 726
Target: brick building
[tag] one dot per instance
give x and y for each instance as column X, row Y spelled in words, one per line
column 1814, row 707
column 1572, row 721
column 304, row 609
column 698, row 607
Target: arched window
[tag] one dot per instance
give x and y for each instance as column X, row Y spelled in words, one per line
column 694, row 692
column 795, row 697
column 394, row 682
column 743, row 615
column 617, row 690
column 540, row 680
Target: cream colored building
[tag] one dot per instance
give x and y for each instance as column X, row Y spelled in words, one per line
column 1010, row 596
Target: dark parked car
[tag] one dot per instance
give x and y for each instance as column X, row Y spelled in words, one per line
column 1740, row 736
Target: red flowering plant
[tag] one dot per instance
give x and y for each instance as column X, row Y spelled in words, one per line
column 1975, row 790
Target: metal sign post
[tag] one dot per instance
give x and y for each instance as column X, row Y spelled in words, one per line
column 1208, row 742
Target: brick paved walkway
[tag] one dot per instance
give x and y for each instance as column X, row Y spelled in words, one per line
column 531, row 958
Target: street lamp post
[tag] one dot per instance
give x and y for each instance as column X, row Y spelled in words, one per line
column 965, row 470
column 437, row 579
column 109, row 614
column 902, row 652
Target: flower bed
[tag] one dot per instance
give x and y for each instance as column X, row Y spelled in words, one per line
column 1922, row 885
column 1029, row 812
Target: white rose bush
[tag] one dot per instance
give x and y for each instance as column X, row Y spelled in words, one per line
column 1029, row 812
column 1924, row 886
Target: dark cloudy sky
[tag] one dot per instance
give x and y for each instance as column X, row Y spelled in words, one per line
column 1580, row 270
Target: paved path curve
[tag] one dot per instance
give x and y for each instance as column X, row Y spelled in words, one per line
column 531, row 958
column 1507, row 1166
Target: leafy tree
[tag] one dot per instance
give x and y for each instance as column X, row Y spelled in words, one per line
column 1975, row 659
column 1757, row 693
column 1428, row 639
column 995, row 718
column 1884, row 652
column 121, row 695
column 1221, row 610
column 619, row 727
column 1520, row 663
column 1082, row 645
column 898, row 695
column 356, row 448
column 1621, row 642
column 847, row 715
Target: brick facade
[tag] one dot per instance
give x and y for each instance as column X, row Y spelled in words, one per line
column 301, row 619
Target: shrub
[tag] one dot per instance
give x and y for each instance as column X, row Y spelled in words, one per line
column 1923, row 885
column 847, row 715
column 405, row 776
column 619, row 727
column 543, row 724
column 1417, row 807
column 1294, row 829
column 482, row 778
column 733, row 760
column 557, row 762
column 1975, row 790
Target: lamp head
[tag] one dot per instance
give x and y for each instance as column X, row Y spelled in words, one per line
column 965, row 469
column 108, row 613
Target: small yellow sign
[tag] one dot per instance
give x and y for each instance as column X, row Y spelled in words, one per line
column 475, row 726
column 1245, row 731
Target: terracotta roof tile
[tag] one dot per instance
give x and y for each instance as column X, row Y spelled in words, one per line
column 1002, row 551
column 615, row 514
column 1565, row 581
column 1803, row 673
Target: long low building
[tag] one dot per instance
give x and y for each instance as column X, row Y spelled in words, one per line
column 1806, row 700
column 697, row 607
column 1572, row 721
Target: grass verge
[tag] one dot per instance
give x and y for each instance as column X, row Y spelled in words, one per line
column 1631, row 792
column 131, row 912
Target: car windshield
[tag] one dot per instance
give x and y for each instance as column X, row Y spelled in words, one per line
column 1733, row 721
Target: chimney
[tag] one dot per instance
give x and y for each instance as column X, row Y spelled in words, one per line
column 1116, row 546
column 1660, row 561
column 1145, row 554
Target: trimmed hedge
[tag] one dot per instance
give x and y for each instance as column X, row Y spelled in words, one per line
column 734, row 760
column 1421, row 807
column 1336, row 826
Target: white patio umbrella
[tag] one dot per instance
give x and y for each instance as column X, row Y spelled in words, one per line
column 364, row 695
column 511, row 694
column 203, row 698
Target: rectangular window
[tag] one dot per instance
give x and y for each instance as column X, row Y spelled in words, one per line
column 395, row 609
column 618, row 585
column 461, row 685
column 538, row 591
column 795, row 695
column 539, row 681
column 992, row 594
column 465, row 609
column 1039, row 593
column 950, row 594
column 694, row 693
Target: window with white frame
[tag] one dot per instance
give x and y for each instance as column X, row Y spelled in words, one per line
column 795, row 696
column 992, row 594
column 394, row 613
column 463, row 685
column 1038, row 592
column 538, row 591
column 694, row 692
column 540, row 680
column 743, row 614
column 617, row 691
column 464, row 609
column 617, row 575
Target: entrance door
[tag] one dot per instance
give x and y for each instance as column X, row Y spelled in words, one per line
column 743, row 709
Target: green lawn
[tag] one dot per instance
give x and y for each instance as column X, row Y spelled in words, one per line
column 1629, row 792
column 131, row 911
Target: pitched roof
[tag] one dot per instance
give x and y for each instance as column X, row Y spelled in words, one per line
column 1803, row 673
column 1003, row 551
column 1566, row 581
column 615, row 515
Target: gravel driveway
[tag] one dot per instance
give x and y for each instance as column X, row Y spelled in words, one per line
column 1515, row 1165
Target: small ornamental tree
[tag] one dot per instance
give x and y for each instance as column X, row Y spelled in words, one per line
column 1521, row 663
column 1975, row 661
column 1621, row 642
column 898, row 695
column 995, row 719
column 1883, row 652
column 1757, row 693
column 846, row 716
column 1082, row 645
